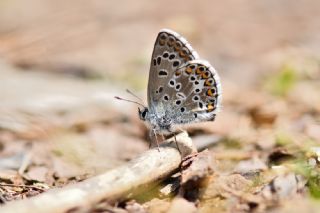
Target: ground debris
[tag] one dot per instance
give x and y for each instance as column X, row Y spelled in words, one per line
column 60, row 124
column 196, row 169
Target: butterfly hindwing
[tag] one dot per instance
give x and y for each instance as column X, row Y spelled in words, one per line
column 199, row 97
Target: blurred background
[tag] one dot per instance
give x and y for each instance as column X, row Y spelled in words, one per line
column 62, row 62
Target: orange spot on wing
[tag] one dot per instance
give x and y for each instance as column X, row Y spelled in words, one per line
column 187, row 58
column 198, row 72
column 170, row 42
column 182, row 54
column 162, row 42
column 211, row 92
column 207, row 83
column 210, row 108
column 205, row 75
column 189, row 70
column 177, row 46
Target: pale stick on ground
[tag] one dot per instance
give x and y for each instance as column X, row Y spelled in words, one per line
column 146, row 170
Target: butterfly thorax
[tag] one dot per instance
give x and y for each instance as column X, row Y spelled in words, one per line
column 160, row 121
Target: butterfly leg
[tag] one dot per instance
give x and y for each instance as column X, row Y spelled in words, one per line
column 180, row 129
column 151, row 138
column 155, row 135
column 175, row 140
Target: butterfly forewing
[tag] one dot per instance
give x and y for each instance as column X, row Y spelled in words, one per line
column 171, row 51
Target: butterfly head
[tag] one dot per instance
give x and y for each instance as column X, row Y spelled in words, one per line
column 143, row 113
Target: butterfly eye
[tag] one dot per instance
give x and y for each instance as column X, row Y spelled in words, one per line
column 143, row 113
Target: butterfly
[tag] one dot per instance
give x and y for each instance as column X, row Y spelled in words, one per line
column 182, row 88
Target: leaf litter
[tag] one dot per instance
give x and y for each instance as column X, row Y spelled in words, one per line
column 263, row 152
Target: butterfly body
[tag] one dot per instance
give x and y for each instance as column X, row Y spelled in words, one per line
column 182, row 88
column 160, row 119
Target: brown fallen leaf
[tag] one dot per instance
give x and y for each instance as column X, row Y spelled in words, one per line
column 234, row 192
column 196, row 166
column 37, row 173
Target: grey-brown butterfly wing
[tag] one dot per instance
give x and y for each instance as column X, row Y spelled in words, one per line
column 170, row 52
column 199, row 97
column 182, row 88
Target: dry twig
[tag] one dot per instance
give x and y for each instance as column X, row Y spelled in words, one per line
column 146, row 170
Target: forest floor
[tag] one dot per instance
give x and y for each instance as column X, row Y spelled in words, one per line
column 60, row 123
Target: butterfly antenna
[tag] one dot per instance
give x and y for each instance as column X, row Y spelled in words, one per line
column 134, row 95
column 122, row 99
